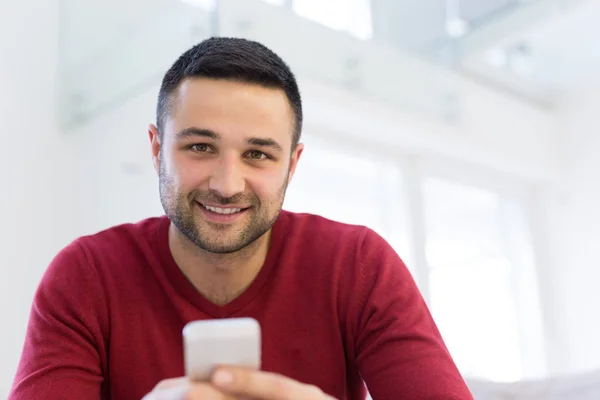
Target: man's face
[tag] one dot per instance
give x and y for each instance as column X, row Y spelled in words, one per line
column 225, row 161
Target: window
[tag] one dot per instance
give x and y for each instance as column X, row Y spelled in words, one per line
column 352, row 16
column 208, row 5
column 276, row 2
column 473, row 285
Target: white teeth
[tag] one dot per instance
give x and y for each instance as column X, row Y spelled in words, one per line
column 220, row 210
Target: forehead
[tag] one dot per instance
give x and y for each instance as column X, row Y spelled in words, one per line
column 232, row 109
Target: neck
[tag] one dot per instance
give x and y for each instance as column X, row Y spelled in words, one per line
column 220, row 278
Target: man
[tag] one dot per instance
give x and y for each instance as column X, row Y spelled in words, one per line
column 335, row 303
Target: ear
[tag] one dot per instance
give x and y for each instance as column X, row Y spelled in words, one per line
column 294, row 160
column 155, row 146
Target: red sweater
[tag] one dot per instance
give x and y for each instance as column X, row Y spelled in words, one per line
column 335, row 303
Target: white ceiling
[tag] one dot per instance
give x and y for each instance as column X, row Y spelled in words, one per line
column 548, row 46
column 421, row 25
column 564, row 53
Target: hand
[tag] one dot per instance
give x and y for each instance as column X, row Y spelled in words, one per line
column 259, row 385
column 233, row 383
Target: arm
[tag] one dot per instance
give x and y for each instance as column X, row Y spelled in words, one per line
column 398, row 347
column 61, row 356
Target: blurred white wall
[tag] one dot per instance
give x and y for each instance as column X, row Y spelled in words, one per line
column 577, row 231
column 115, row 176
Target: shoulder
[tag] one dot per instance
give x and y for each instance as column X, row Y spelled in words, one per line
column 309, row 230
column 76, row 287
column 316, row 229
column 123, row 235
column 80, row 258
column 355, row 251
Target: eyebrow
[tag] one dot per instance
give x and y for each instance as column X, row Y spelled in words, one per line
column 265, row 143
column 196, row 132
column 209, row 134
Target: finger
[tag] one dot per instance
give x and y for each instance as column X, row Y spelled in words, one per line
column 264, row 385
column 187, row 390
column 204, row 391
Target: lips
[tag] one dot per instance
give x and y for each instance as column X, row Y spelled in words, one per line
column 222, row 214
column 223, row 210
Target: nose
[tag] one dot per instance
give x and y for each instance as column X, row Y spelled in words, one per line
column 227, row 178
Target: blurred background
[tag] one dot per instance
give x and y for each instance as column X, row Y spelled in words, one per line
column 464, row 131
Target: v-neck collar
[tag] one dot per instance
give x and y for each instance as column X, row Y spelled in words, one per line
column 187, row 290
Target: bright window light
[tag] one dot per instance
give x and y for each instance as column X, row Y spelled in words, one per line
column 473, row 266
column 208, row 5
column 497, row 57
column 352, row 16
column 275, row 2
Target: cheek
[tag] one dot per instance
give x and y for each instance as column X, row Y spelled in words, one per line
column 267, row 184
column 185, row 173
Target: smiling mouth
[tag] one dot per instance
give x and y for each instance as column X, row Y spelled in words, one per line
column 223, row 210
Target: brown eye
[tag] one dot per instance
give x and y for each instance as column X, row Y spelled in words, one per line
column 199, row 148
column 257, row 155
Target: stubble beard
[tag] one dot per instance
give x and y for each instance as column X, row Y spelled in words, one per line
column 182, row 210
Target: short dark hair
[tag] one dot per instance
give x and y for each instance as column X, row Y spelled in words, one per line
column 234, row 59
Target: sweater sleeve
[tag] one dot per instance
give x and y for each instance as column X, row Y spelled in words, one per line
column 398, row 347
column 62, row 354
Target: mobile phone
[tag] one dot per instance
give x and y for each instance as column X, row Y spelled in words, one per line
column 215, row 342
